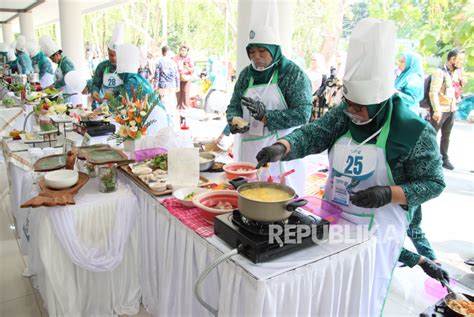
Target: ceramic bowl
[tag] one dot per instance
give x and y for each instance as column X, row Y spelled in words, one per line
column 61, row 179
column 181, row 193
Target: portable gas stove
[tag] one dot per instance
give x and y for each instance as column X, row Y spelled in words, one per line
column 261, row 242
column 95, row 128
column 440, row 309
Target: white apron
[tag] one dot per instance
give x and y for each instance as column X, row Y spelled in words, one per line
column 355, row 167
column 247, row 145
column 58, row 74
column 110, row 81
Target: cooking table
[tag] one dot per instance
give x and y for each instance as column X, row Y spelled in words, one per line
column 83, row 257
column 330, row 279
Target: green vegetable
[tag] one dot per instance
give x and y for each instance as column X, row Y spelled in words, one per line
column 160, row 161
column 189, row 196
column 8, row 101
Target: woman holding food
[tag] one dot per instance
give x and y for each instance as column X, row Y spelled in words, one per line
column 55, row 54
column 384, row 159
column 271, row 98
column 106, row 81
column 128, row 61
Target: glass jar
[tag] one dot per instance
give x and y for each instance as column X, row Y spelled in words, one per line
column 90, row 169
column 107, row 178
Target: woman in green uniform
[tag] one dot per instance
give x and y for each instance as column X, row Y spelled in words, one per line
column 273, row 95
column 384, row 160
column 106, row 81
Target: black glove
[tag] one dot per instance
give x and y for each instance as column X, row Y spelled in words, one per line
column 372, row 197
column 255, row 107
column 272, row 153
column 434, row 270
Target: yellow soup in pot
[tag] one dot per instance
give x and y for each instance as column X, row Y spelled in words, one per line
column 265, row 194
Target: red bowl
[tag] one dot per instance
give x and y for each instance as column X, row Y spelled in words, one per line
column 206, row 203
column 231, row 170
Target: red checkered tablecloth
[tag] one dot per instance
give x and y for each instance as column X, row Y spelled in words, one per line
column 191, row 217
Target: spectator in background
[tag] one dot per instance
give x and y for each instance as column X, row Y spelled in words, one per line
column 443, row 99
column 316, row 71
column 166, row 79
column 410, row 82
column 185, row 70
column 144, row 69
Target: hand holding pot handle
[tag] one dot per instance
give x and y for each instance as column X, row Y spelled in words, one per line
column 292, row 205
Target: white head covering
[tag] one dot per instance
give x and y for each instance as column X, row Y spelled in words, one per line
column 48, row 46
column 75, row 81
column 264, row 27
column 11, row 55
column 128, row 58
column 4, row 47
column 32, row 48
column 368, row 77
column 20, row 43
column 117, row 37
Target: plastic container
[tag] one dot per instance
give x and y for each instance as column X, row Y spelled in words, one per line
column 247, row 170
column 434, row 288
column 207, row 201
column 322, row 208
column 107, row 179
column 141, row 155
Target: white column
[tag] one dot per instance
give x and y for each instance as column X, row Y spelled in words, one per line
column 72, row 38
column 243, row 21
column 7, row 33
column 285, row 15
column 27, row 27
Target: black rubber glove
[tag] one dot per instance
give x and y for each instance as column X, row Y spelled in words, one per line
column 255, row 107
column 434, row 270
column 372, row 197
column 272, row 153
column 234, row 129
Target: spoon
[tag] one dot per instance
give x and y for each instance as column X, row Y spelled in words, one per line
column 457, row 296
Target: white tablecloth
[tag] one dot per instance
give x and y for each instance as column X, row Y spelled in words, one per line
column 59, row 257
column 14, row 118
column 324, row 280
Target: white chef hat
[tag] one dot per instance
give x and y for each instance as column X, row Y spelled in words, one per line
column 32, row 48
column 75, row 81
column 4, row 47
column 11, row 55
column 264, row 27
column 128, row 58
column 48, row 46
column 20, row 43
column 117, row 37
column 368, row 77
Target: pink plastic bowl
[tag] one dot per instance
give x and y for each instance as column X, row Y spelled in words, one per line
column 323, row 209
column 435, row 289
column 230, row 170
column 141, row 155
column 206, row 202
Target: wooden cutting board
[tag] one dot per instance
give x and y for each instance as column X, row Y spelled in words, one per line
column 49, row 197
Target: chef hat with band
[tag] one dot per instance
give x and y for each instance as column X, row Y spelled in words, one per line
column 264, row 27
column 75, row 81
column 128, row 58
column 32, row 48
column 48, row 46
column 4, row 47
column 368, row 77
column 117, row 37
column 20, row 43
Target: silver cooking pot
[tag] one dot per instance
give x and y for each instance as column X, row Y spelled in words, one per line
column 266, row 211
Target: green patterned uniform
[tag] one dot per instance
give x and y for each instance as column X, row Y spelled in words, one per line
column 99, row 75
column 418, row 171
column 66, row 66
column 296, row 89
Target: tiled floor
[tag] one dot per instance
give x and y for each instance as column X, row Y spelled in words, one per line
column 407, row 297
